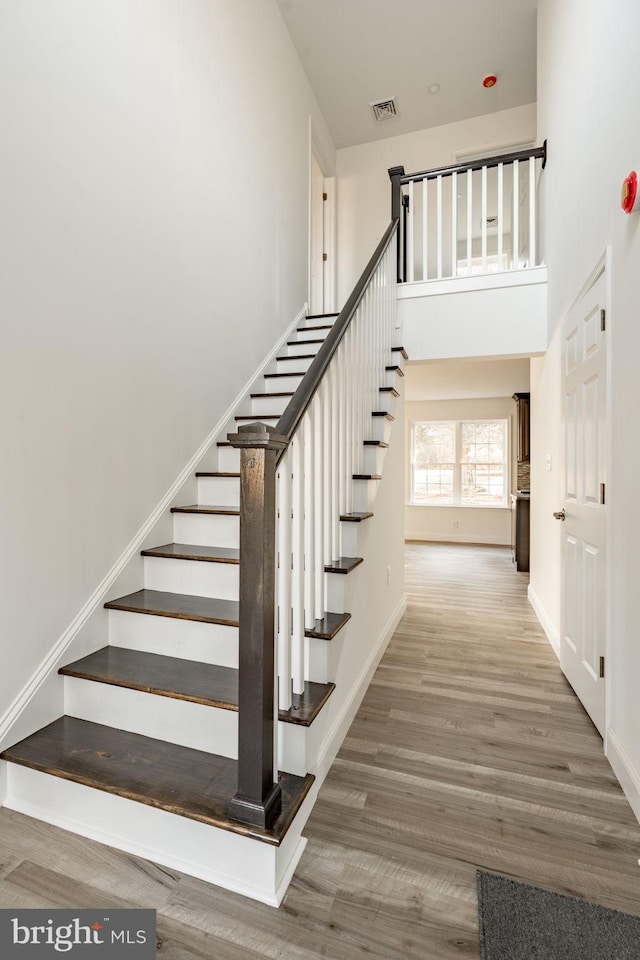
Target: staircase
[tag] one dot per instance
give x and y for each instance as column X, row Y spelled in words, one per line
column 146, row 756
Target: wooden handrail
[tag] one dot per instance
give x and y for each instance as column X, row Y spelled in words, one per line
column 297, row 406
column 538, row 153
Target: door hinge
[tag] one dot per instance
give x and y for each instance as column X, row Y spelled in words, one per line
column 325, row 256
column 324, row 196
column 602, row 491
column 603, row 320
column 601, row 672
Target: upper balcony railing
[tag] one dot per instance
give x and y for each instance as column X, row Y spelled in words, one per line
column 469, row 219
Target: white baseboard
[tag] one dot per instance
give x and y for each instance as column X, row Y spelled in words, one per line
column 343, row 721
column 98, row 597
column 466, row 538
column 628, row 776
column 553, row 636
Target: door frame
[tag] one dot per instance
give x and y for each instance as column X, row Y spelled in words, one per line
column 602, row 266
column 329, row 209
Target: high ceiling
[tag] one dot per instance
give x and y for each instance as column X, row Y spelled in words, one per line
column 356, row 51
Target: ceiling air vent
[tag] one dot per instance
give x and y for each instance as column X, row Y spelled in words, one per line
column 384, row 109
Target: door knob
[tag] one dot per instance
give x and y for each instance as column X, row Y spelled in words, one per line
column 560, row 514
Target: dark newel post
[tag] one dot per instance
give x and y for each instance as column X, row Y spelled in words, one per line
column 405, row 217
column 258, row 798
column 395, row 175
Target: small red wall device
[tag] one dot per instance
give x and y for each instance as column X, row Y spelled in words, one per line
column 629, row 199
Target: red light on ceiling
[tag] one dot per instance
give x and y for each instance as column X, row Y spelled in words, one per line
column 490, row 81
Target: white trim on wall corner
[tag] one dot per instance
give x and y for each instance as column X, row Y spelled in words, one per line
column 130, row 552
column 627, row 774
column 553, row 635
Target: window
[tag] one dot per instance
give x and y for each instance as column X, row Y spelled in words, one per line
column 460, row 463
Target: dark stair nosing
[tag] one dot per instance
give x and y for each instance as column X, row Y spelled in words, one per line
column 298, row 356
column 192, row 551
column 391, row 390
column 216, row 473
column 207, row 508
column 257, row 417
column 317, row 316
column 293, row 373
column 400, row 350
column 263, row 396
column 297, row 343
column 356, row 517
column 376, row 443
column 343, row 565
column 394, row 368
column 329, row 626
column 367, row 476
column 179, row 679
column 180, row 780
column 383, row 413
column 180, row 606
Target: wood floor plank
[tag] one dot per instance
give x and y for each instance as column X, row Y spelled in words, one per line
column 469, row 750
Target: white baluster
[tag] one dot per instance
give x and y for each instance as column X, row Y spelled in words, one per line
column 515, row 226
column 454, row 224
column 439, row 226
column 500, row 213
column 469, row 221
column 533, row 259
column 308, row 424
column 320, row 499
column 484, row 219
column 297, row 576
column 284, row 582
column 410, row 234
column 425, row 229
column 336, row 443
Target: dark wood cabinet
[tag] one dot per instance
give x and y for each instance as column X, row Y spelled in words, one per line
column 522, row 403
column 520, row 522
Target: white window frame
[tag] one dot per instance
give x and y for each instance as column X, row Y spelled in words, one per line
column 457, row 479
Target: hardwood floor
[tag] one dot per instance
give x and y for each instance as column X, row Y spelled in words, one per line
column 470, row 749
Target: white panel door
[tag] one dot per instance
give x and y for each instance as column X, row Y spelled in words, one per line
column 584, row 397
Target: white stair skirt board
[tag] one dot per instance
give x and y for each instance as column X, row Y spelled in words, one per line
column 250, row 867
column 206, row 529
column 223, row 491
column 374, row 459
column 199, row 578
column 195, row 725
column 170, row 637
column 364, row 495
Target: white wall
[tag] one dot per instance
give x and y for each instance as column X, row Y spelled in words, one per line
column 456, row 390
column 364, row 190
column 155, row 153
column 588, row 71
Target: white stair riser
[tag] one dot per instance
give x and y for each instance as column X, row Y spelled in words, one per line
column 228, row 460
column 306, row 334
column 207, row 530
column 172, row 637
column 350, row 533
column 293, row 365
column 316, row 321
column 385, row 402
column 254, row 869
column 196, row 577
column 265, row 405
column 223, row 491
column 282, row 383
column 188, row 724
column 380, row 429
column 393, row 378
column 301, row 349
column 364, row 495
column 374, row 459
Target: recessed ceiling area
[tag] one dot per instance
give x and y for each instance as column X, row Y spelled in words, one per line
column 357, row 51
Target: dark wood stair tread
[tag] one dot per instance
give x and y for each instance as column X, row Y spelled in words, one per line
column 330, row 625
column 400, row 350
column 181, row 606
column 257, row 417
column 193, row 551
column 320, row 326
column 204, row 683
column 186, row 782
column 264, row 396
column 318, row 316
column 298, row 356
column 394, row 368
column 293, row 373
column 216, row 473
column 343, row 565
column 356, row 517
column 222, row 509
column 383, row 413
column 367, row 476
column 298, row 343
column 391, row 390
column 376, row 443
